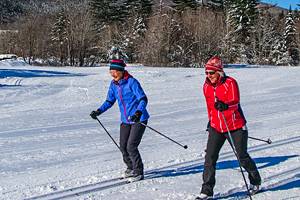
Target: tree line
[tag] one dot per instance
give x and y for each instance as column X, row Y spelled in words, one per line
column 176, row 33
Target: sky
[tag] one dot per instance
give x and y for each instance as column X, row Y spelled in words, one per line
column 284, row 3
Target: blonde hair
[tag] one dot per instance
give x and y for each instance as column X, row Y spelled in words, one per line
column 222, row 74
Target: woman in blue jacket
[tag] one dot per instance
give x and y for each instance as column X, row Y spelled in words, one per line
column 132, row 102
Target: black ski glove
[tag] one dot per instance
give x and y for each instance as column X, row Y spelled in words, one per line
column 136, row 117
column 221, row 106
column 95, row 113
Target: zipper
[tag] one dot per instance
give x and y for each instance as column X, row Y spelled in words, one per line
column 121, row 98
column 220, row 118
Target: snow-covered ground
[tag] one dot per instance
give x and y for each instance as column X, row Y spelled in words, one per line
column 51, row 149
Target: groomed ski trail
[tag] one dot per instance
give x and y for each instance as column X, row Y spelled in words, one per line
column 285, row 177
column 180, row 167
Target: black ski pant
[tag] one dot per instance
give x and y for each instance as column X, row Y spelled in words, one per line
column 130, row 138
column 214, row 145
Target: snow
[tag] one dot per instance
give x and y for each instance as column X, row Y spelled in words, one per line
column 50, row 146
column 11, row 60
column 7, row 56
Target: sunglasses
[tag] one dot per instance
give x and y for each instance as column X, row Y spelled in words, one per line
column 210, row 72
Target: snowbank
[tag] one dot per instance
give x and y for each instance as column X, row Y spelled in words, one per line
column 6, row 61
column 7, row 56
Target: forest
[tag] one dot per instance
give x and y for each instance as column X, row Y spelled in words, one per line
column 173, row 33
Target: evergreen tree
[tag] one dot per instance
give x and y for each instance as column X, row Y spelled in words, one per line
column 268, row 34
column 59, row 33
column 290, row 38
column 139, row 27
column 296, row 14
column 180, row 44
column 219, row 4
column 181, row 5
column 146, row 7
column 139, row 7
column 106, row 12
column 9, row 10
column 139, row 12
column 240, row 18
column 278, row 54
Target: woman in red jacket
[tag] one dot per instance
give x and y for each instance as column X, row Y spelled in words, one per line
column 222, row 97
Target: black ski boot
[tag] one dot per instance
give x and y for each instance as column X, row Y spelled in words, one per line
column 253, row 189
column 128, row 173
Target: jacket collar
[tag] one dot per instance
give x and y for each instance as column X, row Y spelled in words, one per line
column 220, row 81
column 124, row 79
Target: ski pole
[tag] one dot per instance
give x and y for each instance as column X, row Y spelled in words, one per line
column 184, row 146
column 108, row 133
column 234, row 151
column 267, row 141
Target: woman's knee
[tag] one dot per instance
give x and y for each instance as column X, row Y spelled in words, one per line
column 132, row 148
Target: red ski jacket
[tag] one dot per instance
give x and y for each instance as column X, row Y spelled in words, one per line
column 225, row 90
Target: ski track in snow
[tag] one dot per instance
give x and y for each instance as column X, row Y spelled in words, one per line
column 51, row 149
column 116, row 182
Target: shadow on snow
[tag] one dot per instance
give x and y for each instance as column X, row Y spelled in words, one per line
column 5, row 85
column 228, row 164
column 262, row 162
column 25, row 73
column 286, row 184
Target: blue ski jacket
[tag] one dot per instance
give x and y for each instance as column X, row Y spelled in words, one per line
column 130, row 96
